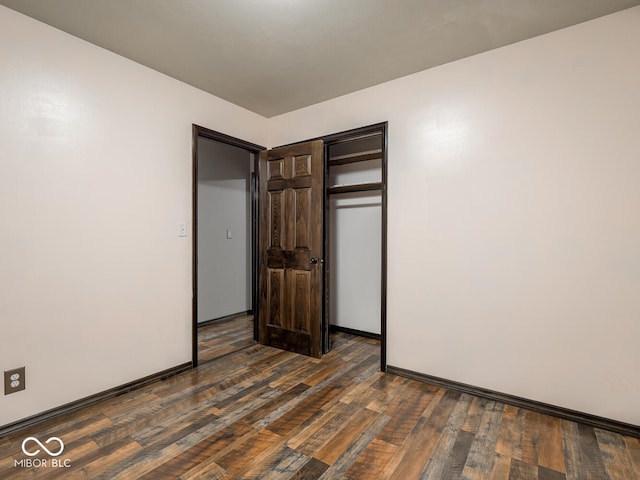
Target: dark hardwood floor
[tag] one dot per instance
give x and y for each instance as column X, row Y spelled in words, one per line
column 269, row 414
column 219, row 339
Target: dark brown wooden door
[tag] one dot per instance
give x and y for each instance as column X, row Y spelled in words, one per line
column 290, row 231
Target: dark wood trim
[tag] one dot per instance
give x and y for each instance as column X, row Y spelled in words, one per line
column 326, row 285
column 195, row 132
column 348, row 159
column 356, row 187
column 198, row 131
column 255, row 182
column 228, row 139
column 383, row 245
column 226, row 318
column 540, row 407
column 83, row 402
column 353, row 331
column 353, row 134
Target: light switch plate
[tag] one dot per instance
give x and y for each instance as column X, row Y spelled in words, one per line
column 229, row 233
column 182, row 229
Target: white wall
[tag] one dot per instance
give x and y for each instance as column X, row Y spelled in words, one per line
column 95, row 175
column 513, row 215
column 355, row 246
column 224, row 202
column 355, row 231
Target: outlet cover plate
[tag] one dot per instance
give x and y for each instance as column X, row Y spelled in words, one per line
column 10, row 379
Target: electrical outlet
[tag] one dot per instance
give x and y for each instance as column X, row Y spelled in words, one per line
column 14, row 380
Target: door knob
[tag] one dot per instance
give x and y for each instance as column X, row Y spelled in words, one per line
column 313, row 260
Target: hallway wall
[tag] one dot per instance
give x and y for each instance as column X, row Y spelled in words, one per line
column 224, row 202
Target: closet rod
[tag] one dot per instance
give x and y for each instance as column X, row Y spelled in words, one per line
column 358, row 187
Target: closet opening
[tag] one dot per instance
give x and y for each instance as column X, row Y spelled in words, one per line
column 355, row 224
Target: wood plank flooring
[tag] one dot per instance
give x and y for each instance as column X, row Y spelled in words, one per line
column 269, row 414
column 219, row 339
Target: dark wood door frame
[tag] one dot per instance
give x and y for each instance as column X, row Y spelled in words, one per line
column 349, row 135
column 198, row 131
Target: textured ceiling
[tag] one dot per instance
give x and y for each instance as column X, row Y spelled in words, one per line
column 274, row 56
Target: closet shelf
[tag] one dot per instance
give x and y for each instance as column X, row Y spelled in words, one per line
column 356, row 187
column 353, row 158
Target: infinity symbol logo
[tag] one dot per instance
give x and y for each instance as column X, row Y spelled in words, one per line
column 34, row 439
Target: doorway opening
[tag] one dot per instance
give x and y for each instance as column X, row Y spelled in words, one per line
column 224, row 243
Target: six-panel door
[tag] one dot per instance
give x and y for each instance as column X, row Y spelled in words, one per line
column 290, row 203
